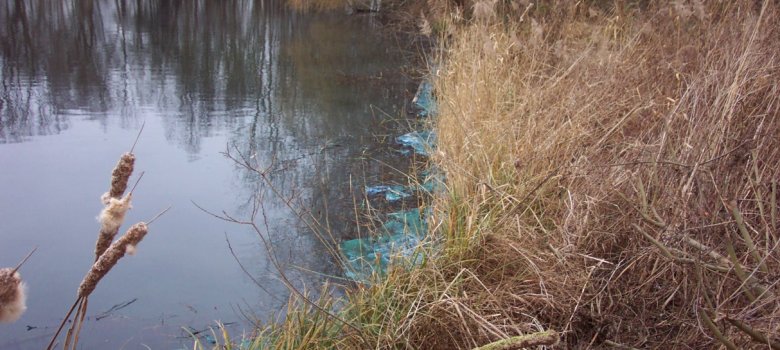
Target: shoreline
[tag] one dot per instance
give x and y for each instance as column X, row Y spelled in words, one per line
column 611, row 176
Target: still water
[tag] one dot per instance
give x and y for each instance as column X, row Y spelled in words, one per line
column 305, row 95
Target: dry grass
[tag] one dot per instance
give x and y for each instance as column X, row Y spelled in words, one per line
column 591, row 152
column 612, row 175
column 317, row 4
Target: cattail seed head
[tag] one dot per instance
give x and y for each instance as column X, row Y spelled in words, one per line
column 113, row 214
column 110, row 257
column 12, row 295
column 119, row 177
column 111, row 218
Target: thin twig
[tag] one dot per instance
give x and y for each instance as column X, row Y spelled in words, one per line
column 158, row 215
column 137, row 181
column 138, row 136
column 254, row 280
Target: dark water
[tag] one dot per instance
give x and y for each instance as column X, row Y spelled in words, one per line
column 305, row 95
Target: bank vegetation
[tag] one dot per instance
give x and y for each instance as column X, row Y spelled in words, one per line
column 612, row 175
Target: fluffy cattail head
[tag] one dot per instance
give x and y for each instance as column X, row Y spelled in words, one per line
column 111, row 219
column 109, row 258
column 113, row 214
column 12, row 295
column 120, row 177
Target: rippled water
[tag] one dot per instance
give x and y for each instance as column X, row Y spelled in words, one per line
column 305, row 96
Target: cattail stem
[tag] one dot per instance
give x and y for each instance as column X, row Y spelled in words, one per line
column 72, row 338
column 62, row 324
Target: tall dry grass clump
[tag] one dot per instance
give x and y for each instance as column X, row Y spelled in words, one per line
column 612, row 173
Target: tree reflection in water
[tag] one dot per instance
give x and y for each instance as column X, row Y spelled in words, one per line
column 306, row 93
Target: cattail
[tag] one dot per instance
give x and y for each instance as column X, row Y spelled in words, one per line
column 111, row 219
column 109, row 258
column 12, row 295
column 119, row 177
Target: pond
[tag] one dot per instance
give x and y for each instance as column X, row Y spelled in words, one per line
column 310, row 97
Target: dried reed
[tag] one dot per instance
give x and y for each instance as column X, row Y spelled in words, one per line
column 599, row 159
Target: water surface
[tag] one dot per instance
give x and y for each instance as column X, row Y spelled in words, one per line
column 304, row 96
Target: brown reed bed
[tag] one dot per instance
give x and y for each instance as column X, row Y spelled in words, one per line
column 614, row 169
column 612, row 173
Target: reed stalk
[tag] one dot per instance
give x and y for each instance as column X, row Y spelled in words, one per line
column 710, row 324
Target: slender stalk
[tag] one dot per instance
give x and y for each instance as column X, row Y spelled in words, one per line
column 24, row 260
column 548, row 338
column 757, row 336
column 773, row 209
column 737, row 214
column 715, row 331
column 738, row 268
column 62, row 324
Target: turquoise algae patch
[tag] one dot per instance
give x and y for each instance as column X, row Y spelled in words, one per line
column 397, row 240
column 397, row 243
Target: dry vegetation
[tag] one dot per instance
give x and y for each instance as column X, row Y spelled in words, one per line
column 612, row 175
column 616, row 169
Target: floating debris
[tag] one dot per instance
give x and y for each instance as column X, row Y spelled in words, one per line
column 397, row 242
column 392, row 193
column 433, row 181
column 419, row 142
column 399, row 238
column 423, row 100
column 114, row 308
